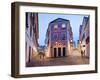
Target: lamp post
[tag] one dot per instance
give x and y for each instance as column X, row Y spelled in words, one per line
column 71, row 40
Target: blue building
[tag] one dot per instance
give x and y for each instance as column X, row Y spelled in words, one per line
column 59, row 37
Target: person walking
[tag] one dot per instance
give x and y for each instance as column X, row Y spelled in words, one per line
column 82, row 53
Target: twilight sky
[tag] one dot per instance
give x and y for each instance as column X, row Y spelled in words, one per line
column 46, row 18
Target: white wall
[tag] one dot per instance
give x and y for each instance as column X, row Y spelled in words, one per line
column 5, row 40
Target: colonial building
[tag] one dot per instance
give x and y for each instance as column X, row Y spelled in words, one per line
column 59, row 38
column 84, row 36
column 31, row 35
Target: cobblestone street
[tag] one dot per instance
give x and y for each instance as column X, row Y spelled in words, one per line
column 73, row 59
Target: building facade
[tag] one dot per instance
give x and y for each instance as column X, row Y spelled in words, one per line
column 31, row 36
column 80, row 39
column 84, row 36
column 59, row 37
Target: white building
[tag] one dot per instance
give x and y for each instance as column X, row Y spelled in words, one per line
column 84, row 36
column 31, row 36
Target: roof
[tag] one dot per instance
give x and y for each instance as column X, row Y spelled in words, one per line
column 58, row 20
column 86, row 18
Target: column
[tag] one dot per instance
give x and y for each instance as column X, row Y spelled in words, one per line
column 61, row 51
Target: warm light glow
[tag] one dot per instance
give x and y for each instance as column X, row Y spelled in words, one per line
column 71, row 40
column 63, row 25
column 34, row 48
column 56, row 26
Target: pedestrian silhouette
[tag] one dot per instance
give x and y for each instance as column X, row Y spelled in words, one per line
column 81, row 53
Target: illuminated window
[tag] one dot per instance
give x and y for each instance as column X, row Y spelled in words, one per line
column 63, row 26
column 55, row 26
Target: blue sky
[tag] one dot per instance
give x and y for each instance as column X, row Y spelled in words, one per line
column 45, row 19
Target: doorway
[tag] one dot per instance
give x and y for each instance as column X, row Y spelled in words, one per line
column 55, row 52
column 64, row 51
column 59, row 52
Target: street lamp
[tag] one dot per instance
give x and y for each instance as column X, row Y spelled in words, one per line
column 71, row 40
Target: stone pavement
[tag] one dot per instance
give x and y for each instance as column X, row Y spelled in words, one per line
column 73, row 59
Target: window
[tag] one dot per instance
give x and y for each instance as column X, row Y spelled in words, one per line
column 63, row 37
column 54, row 37
column 63, row 26
column 55, row 26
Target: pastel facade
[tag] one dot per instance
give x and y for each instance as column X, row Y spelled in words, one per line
column 84, row 36
column 31, row 36
column 58, row 38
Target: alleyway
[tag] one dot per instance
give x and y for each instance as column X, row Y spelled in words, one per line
column 73, row 59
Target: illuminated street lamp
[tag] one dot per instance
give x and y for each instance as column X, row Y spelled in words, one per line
column 71, row 40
